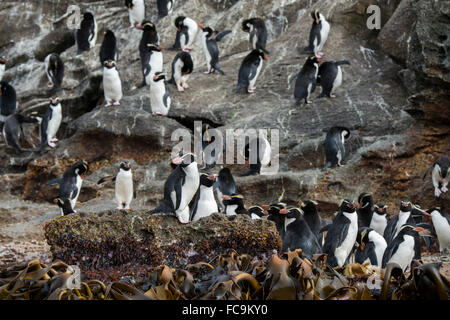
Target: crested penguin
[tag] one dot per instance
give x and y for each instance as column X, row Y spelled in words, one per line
column 186, row 38
column 136, row 11
column 8, row 100
column 3, row 61
column 12, row 129
column 258, row 151
column 86, row 36
column 112, row 85
column 108, row 49
column 257, row 212
column 306, row 80
column 364, row 209
column 315, row 222
column 234, row 204
column 441, row 223
column 159, row 95
column 182, row 66
column 372, row 246
column 149, row 36
column 204, row 204
column 50, row 124
column 210, row 48
column 209, row 156
column 249, row 70
column 379, row 218
column 153, row 62
column 334, row 146
column 341, row 235
column 180, row 187
column 123, row 185
column 54, row 68
column 440, row 175
column 224, row 185
column 257, row 31
column 318, row 34
column 277, row 213
column 165, row 7
column 330, row 77
column 70, row 185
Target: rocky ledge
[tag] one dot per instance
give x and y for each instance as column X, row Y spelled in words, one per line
column 114, row 244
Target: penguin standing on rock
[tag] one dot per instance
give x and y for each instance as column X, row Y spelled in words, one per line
column 224, row 185
column 8, row 100
column 3, row 61
column 318, row 34
column 153, row 62
column 334, row 146
column 210, row 48
column 341, row 235
column 54, row 68
column 180, row 187
column 379, row 218
column 441, row 223
column 70, row 186
column 330, row 77
column 12, row 129
column 159, row 95
column 136, row 11
column 371, row 246
column 182, row 66
column 124, row 185
column 108, row 49
column 149, row 36
column 277, row 213
column 364, row 209
column 257, row 212
column 257, row 33
column 234, row 204
column 86, row 36
column 165, row 7
column 262, row 149
column 440, row 175
column 306, row 79
column 249, row 70
column 50, row 124
column 313, row 219
column 187, row 38
column 112, row 85
column 205, row 204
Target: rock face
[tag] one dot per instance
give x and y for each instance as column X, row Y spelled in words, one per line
column 134, row 242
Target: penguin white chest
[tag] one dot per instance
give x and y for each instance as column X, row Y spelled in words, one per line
column 231, row 210
column 54, row 122
column 190, row 186
column 323, row 32
column 380, row 246
column 378, row 223
column 112, row 84
column 137, row 13
column 338, row 80
column 157, row 93
column 258, row 69
column 93, row 37
column 177, row 70
column 78, row 184
column 405, row 252
column 192, row 31
column 342, row 252
column 2, row 70
column 402, row 218
column 442, row 228
column 124, row 187
column 206, row 52
column 156, row 65
column 46, row 63
column 206, row 203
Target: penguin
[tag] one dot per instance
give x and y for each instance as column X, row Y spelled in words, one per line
column 112, row 85
column 70, row 184
column 210, row 48
column 54, row 68
column 379, row 218
column 8, row 100
column 334, row 146
column 153, row 62
column 330, row 77
column 364, row 209
column 257, row 33
column 318, row 34
column 205, row 204
column 136, row 11
column 234, row 204
column 3, row 61
column 165, row 7
column 224, row 185
column 315, row 222
column 124, row 185
column 441, row 223
column 372, row 246
column 306, row 79
column 186, row 38
column 180, row 187
column 12, row 129
column 341, row 235
column 298, row 234
column 263, row 155
column 159, row 95
column 257, row 212
column 65, row 206
column 51, row 121
column 209, row 156
column 149, row 36
column 249, row 70
column 440, row 175
column 108, row 49
column 277, row 213
column 86, row 36
column 401, row 249
column 182, row 66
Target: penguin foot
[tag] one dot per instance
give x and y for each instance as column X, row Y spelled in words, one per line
column 187, row 49
column 157, row 113
column 251, row 90
column 437, row 192
column 185, row 85
column 444, row 189
column 180, row 88
column 50, row 85
column 207, row 72
column 116, row 103
column 131, row 26
column 119, row 208
column 332, row 95
column 108, row 104
column 51, row 144
column 308, row 101
column 182, row 221
column 54, row 140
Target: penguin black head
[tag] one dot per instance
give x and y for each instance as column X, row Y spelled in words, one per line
column 443, row 171
column 313, row 59
column 129, row 4
column 225, row 175
column 365, row 200
column 235, row 198
column 3, row 60
column 207, row 180
column 179, row 22
column 159, row 76
column 410, row 230
column 109, row 64
column 348, row 206
column 262, row 54
column 316, row 16
column 293, row 212
column 380, row 209
column 54, row 101
column 276, row 208
column 146, row 25
column 184, row 160
column 309, row 207
column 405, row 206
column 88, row 16
column 209, row 32
column 363, row 237
column 80, row 168
column 65, row 205
column 154, row 47
column 205, row 133
column 259, row 211
column 108, row 33
column 125, row 165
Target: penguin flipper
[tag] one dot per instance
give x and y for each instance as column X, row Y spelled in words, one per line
column 371, row 254
column 340, row 63
column 178, row 188
column 55, row 181
column 222, row 34
column 109, row 178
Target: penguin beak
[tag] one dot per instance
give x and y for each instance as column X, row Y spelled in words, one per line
column 362, row 246
column 283, row 211
column 179, row 29
column 82, row 176
column 139, row 27
column 317, row 21
column 4, row 60
column 265, row 206
column 161, row 48
column 419, row 229
column 201, row 26
column 177, row 160
column 427, row 214
column 212, row 177
column 266, row 58
column 319, row 60
column 226, row 197
column 53, row 101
